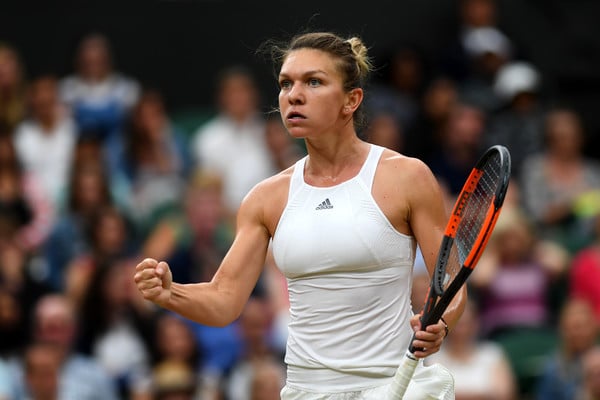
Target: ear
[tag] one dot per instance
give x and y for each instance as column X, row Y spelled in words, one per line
column 353, row 100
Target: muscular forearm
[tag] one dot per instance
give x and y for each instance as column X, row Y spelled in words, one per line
column 204, row 303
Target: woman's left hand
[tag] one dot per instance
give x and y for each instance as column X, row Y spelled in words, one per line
column 429, row 341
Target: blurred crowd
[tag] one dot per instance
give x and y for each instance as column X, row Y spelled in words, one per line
column 96, row 174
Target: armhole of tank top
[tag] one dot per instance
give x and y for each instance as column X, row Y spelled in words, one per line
column 367, row 173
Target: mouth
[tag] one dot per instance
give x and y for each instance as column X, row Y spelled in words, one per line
column 295, row 116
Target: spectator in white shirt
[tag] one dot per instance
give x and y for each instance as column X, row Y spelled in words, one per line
column 233, row 144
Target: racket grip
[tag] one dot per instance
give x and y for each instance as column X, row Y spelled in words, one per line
column 402, row 377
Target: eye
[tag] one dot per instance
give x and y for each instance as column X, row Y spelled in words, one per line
column 314, row 82
column 285, row 84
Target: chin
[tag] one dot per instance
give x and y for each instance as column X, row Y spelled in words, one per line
column 297, row 133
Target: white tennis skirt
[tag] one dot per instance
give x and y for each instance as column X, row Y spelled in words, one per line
column 429, row 383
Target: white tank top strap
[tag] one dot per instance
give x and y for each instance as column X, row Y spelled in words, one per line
column 367, row 172
column 297, row 178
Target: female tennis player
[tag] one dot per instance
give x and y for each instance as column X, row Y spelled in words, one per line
column 344, row 223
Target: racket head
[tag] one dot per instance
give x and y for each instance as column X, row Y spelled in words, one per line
column 473, row 218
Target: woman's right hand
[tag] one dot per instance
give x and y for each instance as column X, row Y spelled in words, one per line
column 153, row 279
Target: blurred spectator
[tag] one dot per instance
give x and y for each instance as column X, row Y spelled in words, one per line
column 108, row 239
column 88, row 192
column 425, row 136
column 460, row 147
column 178, row 353
column 174, row 380
column 232, row 144
column 268, row 378
column 560, row 185
column 283, row 150
column 117, row 328
column 591, row 375
column 6, row 383
column 25, row 212
column 15, row 209
column 472, row 15
column 55, row 324
column 99, row 96
column 584, row 274
column 401, row 86
column 488, row 50
column 255, row 326
column 156, row 162
column 175, row 341
column 480, row 368
column 45, row 141
column 513, row 281
column 20, row 289
column 42, row 368
column 12, row 88
column 518, row 125
column 562, row 376
column 194, row 238
column 384, row 130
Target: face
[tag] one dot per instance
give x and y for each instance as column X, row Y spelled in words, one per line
column 564, row 134
column 55, row 322
column 44, row 97
column 385, row 131
column 89, row 188
column 479, row 12
column 41, row 372
column 465, row 127
column 578, row 333
column 150, row 119
column 238, row 97
column 10, row 70
column 94, row 58
column 111, row 233
column 440, row 99
column 175, row 339
column 312, row 99
column 591, row 367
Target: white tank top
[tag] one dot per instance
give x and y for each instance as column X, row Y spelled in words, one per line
column 349, row 280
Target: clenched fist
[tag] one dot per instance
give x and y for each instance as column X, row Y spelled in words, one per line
column 153, row 280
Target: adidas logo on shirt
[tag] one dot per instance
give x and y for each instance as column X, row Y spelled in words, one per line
column 325, row 205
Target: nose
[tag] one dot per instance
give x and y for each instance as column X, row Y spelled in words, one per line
column 295, row 94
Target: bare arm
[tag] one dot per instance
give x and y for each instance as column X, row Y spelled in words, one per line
column 428, row 219
column 220, row 301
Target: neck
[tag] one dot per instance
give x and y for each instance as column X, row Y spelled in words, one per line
column 334, row 161
column 47, row 124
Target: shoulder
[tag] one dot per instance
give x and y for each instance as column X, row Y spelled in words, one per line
column 491, row 350
column 214, row 130
column 68, row 83
column 24, row 132
column 271, row 188
column 266, row 201
column 404, row 170
column 80, row 365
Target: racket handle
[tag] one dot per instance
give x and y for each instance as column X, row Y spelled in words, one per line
column 403, row 376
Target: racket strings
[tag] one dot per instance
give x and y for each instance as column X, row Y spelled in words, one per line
column 473, row 216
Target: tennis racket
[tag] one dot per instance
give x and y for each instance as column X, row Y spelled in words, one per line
column 473, row 218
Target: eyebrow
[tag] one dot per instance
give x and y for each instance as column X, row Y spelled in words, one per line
column 307, row 73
